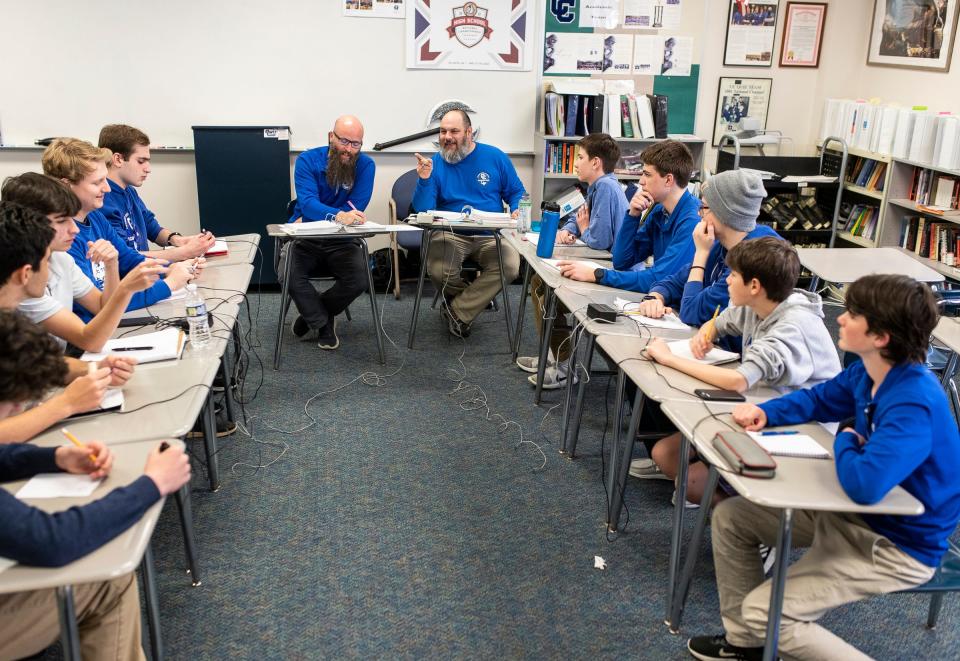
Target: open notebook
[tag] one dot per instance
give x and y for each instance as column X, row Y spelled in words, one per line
column 318, row 227
column 715, row 356
column 166, row 344
column 790, row 445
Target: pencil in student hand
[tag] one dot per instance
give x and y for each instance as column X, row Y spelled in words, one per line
column 713, row 324
column 76, row 441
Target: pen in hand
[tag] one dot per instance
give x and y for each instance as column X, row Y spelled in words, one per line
column 359, row 222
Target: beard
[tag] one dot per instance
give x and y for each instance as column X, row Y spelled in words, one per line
column 453, row 153
column 340, row 172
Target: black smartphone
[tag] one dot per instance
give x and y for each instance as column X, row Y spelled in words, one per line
column 137, row 321
column 708, row 395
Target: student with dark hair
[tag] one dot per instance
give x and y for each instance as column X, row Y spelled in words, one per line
column 25, row 238
column 67, row 284
column 659, row 224
column 596, row 223
column 729, row 209
column 131, row 219
column 108, row 613
column 903, row 434
column 785, row 342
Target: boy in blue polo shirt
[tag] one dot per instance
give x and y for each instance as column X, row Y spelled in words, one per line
column 122, row 207
column 903, row 434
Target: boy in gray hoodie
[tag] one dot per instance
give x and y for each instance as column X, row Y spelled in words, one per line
column 785, row 342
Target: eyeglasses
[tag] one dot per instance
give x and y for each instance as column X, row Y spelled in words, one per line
column 704, row 210
column 356, row 144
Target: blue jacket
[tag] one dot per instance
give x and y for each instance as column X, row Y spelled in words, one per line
column 484, row 180
column 129, row 216
column 912, row 441
column 698, row 300
column 315, row 199
column 607, row 207
column 668, row 237
column 32, row 537
column 95, row 227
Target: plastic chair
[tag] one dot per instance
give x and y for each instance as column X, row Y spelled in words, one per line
column 947, row 579
column 401, row 200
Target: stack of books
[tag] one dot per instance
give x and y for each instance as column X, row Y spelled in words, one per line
column 934, row 240
column 867, row 173
column 935, row 192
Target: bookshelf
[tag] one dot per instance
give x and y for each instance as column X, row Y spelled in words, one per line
column 550, row 185
column 865, row 184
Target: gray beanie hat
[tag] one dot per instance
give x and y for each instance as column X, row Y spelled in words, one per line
column 735, row 197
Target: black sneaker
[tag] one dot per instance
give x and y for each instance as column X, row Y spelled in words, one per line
column 456, row 327
column 300, row 327
column 225, row 427
column 327, row 337
column 716, row 648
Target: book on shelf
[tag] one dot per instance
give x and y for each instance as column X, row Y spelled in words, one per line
column 929, row 187
column 860, row 220
column 867, row 173
column 938, row 241
column 626, row 126
column 560, row 157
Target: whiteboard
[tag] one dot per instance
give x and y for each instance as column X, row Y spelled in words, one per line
column 165, row 65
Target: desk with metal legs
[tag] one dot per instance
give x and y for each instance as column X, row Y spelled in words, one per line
column 282, row 241
column 431, row 227
column 799, row 484
column 118, row 557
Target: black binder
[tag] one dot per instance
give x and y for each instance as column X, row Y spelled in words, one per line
column 659, row 116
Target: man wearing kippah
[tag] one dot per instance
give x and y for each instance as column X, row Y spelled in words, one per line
column 728, row 215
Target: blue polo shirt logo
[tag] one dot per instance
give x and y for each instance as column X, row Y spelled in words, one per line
column 483, row 178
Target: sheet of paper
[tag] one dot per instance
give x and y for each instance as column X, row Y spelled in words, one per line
column 651, row 14
column 314, row 227
column 790, row 445
column 57, row 485
column 219, row 247
column 6, row 564
column 554, row 262
column 662, row 55
column 534, row 238
column 667, row 321
column 164, row 344
column 715, row 356
column 809, row 179
column 599, row 13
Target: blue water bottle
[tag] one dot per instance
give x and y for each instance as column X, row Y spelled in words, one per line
column 549, row 224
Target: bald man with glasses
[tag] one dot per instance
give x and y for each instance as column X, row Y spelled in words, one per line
column 333, row 183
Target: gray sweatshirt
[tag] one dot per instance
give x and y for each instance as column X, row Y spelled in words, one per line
column 789, row 348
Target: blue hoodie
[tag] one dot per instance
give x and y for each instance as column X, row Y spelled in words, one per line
column 129, row 216
column 484, row 180
column 697, row 300
column 666, row 236
column 95, row 227
column 315, row 199
column 912, row 441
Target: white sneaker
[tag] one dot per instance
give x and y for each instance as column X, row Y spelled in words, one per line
column 769, row 556
column 528, row 363
column 553, row 378
column 687, row 505
column 646, row 469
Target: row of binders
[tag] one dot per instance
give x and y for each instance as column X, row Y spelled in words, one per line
column 618, row 115
column 913, row 134
column 933, row 240
column 861, row 220
column 867, row 173
column 929, row 187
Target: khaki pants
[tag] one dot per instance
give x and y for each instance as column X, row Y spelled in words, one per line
column 108, row 617
column 560, row 337
column 445, row 259
column 846, row 562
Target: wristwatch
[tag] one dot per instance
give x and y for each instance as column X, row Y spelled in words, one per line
column 170, row 237
column 648, row 297
column 598, row 274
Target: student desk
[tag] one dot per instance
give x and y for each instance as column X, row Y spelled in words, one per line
column 846, row 265
column 242, row 250
column 799, row 484
column 659, row 384
column 122, row 555
column 282, row 241
column 433, row 225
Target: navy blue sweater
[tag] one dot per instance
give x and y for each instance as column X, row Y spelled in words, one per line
column 912, row 441
column 32, row 537
column 668, row 237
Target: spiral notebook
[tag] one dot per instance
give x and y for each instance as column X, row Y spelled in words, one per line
column 790, row 445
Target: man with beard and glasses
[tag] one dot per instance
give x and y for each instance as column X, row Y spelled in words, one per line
column 333, row 183
column 466, row 173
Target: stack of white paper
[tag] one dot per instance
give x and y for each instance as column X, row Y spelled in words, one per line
column 789, row 445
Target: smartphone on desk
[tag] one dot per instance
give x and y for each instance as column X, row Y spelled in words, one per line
column 708, row 395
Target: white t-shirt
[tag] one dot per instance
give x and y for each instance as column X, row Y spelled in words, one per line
column 66, row 284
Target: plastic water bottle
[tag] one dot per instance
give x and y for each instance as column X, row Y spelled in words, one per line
column 197, row 318
column 523, row 218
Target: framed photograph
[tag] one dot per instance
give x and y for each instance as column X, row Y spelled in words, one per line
column 737, row 99
column 751, row 31
column 915, row 34
column 802, row 34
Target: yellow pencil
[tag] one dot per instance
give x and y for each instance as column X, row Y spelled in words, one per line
column 76, row 441
column 713, row 323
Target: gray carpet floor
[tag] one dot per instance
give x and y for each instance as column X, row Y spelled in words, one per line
column 377, row 511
